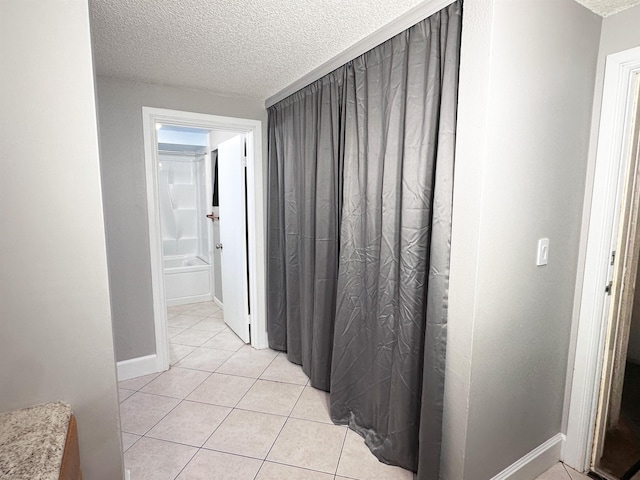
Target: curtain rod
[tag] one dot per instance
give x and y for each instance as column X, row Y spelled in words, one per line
column 396, row 26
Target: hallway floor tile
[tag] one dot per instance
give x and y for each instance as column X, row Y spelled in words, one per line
column 225, row 411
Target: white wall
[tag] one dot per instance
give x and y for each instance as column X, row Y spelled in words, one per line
column 55, row 324
column 527, row 75
column 120, row 105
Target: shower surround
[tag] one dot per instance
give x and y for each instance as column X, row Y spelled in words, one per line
column 185, row 233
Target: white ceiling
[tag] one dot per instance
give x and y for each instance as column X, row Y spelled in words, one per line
column 249, row 48
column 604, row 8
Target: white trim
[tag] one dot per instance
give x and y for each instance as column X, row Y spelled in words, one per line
column 400, row 24
column 155, row 245
column 255, row 211
column 536, row 461
column 609, row 174
column 137, row 367
column 257, row 247
column 207, row 297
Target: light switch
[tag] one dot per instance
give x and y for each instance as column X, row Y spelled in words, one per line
column 543, row 252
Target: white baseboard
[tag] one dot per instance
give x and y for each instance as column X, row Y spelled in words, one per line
column 536, row 462
column 185, row 300
column 218, row 302
column 136, row 367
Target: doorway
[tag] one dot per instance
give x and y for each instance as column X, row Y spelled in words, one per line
column 609, row 272
column 184, row 193
column 616, row 447
column 225, row 133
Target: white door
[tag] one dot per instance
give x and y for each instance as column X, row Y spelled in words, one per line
column 233, row 235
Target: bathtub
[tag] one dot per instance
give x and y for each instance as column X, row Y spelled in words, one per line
column 186, row 280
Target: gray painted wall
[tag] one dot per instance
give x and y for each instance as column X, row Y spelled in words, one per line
column 619, row 32
column 55, row 324
column 120, row 105
column 527, row 81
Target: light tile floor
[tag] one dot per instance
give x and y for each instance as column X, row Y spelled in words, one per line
column 225, row 411
column 561, row 472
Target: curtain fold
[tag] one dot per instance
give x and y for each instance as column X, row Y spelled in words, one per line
column 360, row 195
column 306, row 133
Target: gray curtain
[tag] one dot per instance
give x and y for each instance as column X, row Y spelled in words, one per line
column 306, row 135
column 386, row 306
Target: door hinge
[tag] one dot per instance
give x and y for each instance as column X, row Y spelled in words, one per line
column 613, row 257
column 244, row 162
column 609, row 287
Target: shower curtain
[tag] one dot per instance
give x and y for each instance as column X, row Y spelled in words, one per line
column 360, row 193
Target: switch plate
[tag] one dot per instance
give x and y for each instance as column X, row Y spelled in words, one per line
column 543, row 252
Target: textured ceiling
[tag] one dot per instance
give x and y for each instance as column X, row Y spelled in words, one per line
column 604, row 8
column 251, row 48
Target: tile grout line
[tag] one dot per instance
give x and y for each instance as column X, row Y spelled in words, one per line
column 186, row 444
column 260, row 469
column 235, row 407
column 188, row 462
column 344, row 440
column 302, row 468
column 285, row 423
column 570, row 477
column 261, row 373
column 188, row 324
column 226, row 416
column 178, row 404
column 165, row 416
column 125, row 450
column 288, row 416
column 275, row 440
column 138, row 389
column 196, row 346
column 231, row 454
column 177, row 364
column 220, row 349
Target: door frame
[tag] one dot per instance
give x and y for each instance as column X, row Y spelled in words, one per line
column 255, row 218
column 616, row 118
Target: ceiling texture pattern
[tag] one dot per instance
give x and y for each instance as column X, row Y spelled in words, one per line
column 248, row 48
column 604, row 8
